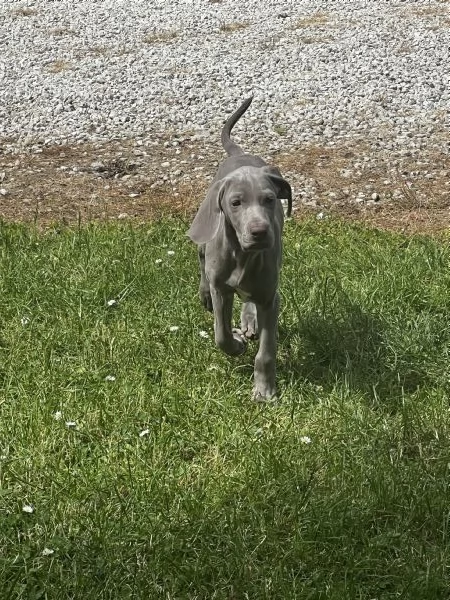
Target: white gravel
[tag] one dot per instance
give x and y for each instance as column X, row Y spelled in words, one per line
column 321, row 71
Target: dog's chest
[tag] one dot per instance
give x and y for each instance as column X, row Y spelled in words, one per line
column 255, row 281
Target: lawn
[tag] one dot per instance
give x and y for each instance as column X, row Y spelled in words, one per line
column 134, row 464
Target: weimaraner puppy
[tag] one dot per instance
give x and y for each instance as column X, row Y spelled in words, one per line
column 238, row 229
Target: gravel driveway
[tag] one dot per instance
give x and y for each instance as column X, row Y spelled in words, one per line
column 350, row 97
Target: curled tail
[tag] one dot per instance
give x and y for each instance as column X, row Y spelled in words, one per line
column 231, row 148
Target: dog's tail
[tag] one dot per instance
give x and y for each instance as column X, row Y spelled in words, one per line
column 231, row 148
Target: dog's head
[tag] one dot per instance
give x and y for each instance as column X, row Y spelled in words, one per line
column 249, row 200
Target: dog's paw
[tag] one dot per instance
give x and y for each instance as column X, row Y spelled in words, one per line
column 265, row 395
column 249, row 321
column 233, row 344
column 264, row 388
column 250, row 330
column 240, row 342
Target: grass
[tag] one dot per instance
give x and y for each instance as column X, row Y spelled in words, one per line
column 150, row 472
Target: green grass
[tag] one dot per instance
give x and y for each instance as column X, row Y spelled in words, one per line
column 222, row 498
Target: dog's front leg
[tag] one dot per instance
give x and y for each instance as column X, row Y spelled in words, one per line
column 265, row 361
column 227, row 340
column 204, row 291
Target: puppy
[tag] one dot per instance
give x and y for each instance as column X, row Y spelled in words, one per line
column 238, row 229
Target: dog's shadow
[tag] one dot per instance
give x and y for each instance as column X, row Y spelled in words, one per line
column 349, row 347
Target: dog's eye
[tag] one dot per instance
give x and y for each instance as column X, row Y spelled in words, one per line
column 236, row 202
column 269, row 199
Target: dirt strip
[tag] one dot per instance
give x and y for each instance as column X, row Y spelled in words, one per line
column 125, row 180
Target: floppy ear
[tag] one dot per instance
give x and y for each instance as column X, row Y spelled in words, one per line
column 209, row 216
column 283, row 188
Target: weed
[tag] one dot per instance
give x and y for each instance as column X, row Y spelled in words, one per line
column 428, row 11
column 280, row 129
column 160, row 38
column 99, row 50
column 62, row 31
column 317, row 19
column 58, row 66
column 232, row 27
column 116, row 167
column 317, row 40
column 24, row 11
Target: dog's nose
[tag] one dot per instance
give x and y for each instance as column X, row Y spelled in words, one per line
column 259, row 230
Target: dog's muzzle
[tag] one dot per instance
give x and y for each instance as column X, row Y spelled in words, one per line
column 257, row 237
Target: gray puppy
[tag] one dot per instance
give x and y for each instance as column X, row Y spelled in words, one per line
column 238, row 229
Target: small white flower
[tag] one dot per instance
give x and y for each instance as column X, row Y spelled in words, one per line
column 259, row 432
column 305, row 439
column 203, row 334
column 71, row 424
column 24, row 321
column 110, row 378
column 170, row 252
column 320, row 215
column 47, row 552
column 57, row 415
column 111, row 302
column 174, row 328
column 28, row 508
column 158, row 261
column 144, row 432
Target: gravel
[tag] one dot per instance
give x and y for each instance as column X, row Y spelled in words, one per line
column 324, row 73
column 321, row 71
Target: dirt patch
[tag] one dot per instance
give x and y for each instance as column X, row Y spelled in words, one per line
column 413, row 195
column 88, row 182
column 434, row 17
column 125, row 180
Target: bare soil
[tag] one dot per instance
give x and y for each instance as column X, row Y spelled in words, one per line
column 125, row 180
